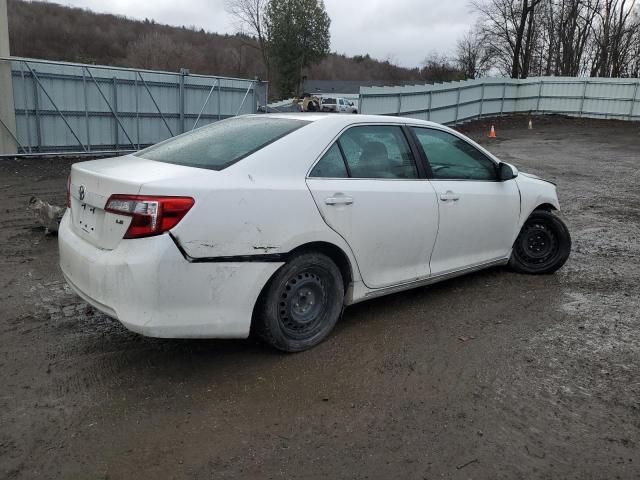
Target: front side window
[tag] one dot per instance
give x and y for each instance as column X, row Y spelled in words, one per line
column 378, row 151
column 452, row 158
column 223, row 143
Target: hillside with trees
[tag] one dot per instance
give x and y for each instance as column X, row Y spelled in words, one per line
column 56, row 32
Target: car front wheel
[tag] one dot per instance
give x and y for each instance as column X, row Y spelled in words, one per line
column 543, row 245
column 301, row 303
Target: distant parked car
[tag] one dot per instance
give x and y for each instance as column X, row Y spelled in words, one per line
column 274, row 223
column 338, row 105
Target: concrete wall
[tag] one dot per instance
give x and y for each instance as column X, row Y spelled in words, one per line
column 7, row 115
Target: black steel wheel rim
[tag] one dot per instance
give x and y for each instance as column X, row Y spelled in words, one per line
column 537, row 244
column 303, row 303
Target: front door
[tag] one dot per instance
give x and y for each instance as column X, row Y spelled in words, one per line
column 368, row 190
column 478, row 213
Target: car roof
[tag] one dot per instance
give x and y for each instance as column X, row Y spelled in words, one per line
column 350, row 119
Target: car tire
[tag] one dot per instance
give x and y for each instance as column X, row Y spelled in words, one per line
column 301, row 303
column 543, row 245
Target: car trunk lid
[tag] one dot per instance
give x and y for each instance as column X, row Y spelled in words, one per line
column 93, row 182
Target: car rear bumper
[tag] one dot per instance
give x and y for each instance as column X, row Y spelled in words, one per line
column 152, row 289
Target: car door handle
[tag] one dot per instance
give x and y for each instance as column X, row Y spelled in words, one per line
column 449, row 197
column 338, row 200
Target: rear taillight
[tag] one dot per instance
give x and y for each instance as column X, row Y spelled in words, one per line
column 67, row 200
column 150, row 215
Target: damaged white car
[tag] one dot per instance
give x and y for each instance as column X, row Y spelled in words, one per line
column 272, row 224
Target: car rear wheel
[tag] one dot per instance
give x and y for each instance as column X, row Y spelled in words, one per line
column 301, row 303
column 543, row 245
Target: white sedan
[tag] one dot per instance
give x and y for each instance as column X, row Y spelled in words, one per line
column 272, row 224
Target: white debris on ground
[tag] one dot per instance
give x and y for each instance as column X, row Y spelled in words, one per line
column 47, row 215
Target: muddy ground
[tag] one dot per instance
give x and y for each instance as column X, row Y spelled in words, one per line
column 494, row 375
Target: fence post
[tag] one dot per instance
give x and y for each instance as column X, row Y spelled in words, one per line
column 633, row 99
column 86, row 110
column 455, row 120
column 399, row 103
column 481, row 101
column 36, row 109
column 137, row 97
column 504, row 92
column 115, row 114
column 183, row 73
column 539, row 96
column 429, row 105
column 584, row 94
column 26, row 106
column 254, row 107
column 219, row 98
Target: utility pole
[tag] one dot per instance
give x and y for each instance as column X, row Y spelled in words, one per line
column 7, row 112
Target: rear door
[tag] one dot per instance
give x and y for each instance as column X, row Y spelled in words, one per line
column 369, row 189
column 478, row 213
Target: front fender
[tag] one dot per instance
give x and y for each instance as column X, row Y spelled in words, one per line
column 534, row 192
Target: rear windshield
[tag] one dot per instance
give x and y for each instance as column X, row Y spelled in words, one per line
column 223, row 143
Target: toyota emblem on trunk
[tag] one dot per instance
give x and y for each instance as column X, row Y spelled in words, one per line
column 81, row 192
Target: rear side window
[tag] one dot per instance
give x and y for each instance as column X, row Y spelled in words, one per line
column 329, row 101
column 223, row 143
column 378, row 151
column 331, row 165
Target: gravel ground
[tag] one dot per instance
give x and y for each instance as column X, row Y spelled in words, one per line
column 493, row 375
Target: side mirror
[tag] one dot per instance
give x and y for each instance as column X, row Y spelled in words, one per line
column 506, row 172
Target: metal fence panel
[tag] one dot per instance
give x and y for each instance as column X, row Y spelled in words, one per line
column 66, row 107
column 455, row 102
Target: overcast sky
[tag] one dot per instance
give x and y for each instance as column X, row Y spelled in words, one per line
column 402, row 30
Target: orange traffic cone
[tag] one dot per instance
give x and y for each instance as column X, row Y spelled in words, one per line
column 492, row 133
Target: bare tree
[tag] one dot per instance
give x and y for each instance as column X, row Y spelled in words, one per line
column 565, row 36
column 471, row 56
column 561, row 37
column 250, row 16
column 509, row 27
column 614, row 38
column 439, row 68
column 634, row 64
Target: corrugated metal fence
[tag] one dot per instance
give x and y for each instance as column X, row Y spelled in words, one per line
column 77, row 108
column 455, row 102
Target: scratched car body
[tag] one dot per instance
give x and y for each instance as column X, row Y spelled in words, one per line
column 272, row 224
